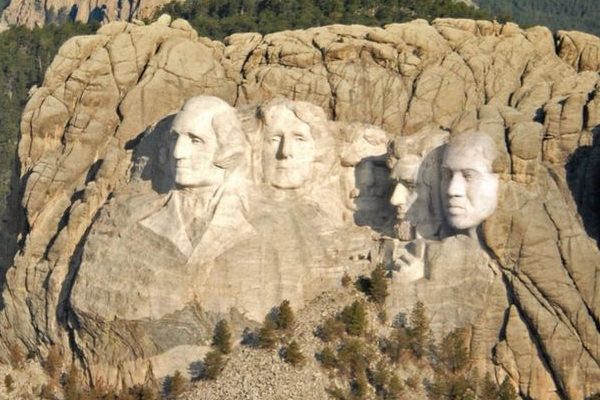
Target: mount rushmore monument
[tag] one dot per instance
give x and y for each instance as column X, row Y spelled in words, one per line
column 169, row 181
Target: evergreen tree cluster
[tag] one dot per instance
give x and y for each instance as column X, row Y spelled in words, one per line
column 220, row 18
column 582, row 15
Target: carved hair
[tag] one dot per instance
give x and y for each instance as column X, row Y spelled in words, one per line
column 313, row 116
column 483, row 142
column 231, row 143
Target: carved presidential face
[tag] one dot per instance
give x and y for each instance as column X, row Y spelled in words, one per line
column 193, row 144
column 288, row 150
column 469, row 188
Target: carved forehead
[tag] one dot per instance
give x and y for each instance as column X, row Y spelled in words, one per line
column 476, row 148
column 307, row 113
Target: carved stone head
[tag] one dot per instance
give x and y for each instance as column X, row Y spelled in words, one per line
column 414, row 170
column 292, row 131
column 205, row 140
column 469, row 185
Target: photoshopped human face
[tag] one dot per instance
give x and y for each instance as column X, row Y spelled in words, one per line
column 288, row 151
column 469, row 188
column 193, row 144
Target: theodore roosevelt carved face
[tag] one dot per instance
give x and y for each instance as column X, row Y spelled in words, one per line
column 469, row 185
column 414, row 166
column 290, row 130
column 205, row 137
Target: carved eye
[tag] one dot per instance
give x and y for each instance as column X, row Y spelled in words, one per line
column 197, row 140
column 469, row 175
column 275, row 139
column 299, row 137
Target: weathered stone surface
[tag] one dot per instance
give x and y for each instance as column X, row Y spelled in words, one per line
column 30, row 13
column 91, row 138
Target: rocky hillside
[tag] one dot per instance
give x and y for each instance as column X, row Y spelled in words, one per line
column 528, row 296
column 31, row 13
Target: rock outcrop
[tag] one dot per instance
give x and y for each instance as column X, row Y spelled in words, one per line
column 32, row 13
column 88, row 131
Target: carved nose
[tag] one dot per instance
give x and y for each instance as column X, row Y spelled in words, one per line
column 182, row 147
column 456, row 186
column 399, row 195
column 284, row 150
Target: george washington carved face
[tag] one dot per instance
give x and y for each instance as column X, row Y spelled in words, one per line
column 204, row 139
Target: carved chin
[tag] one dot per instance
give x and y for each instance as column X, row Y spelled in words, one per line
column 288, row 179
column 404, row 231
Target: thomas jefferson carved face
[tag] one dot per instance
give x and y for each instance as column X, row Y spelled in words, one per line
column 193, row 144
column 469, row 186
column 288, row 150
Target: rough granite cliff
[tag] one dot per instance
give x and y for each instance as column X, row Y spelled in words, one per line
column 33, row 13
column 533, row 305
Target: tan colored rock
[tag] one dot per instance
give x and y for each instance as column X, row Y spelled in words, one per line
column 31, row 14
column 91, row 138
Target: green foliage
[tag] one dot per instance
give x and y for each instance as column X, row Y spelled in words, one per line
column 222, row 337
column 419, row 332
column 9, row 383
column 24, row 56
column 293, row 355
column 175, row 385
column 453, row 353
column 353, row 357
column 397, row 344
column 266, row 335
column 354, row 318
column 327, row 358
column 220, row 18
column 581, row 15
column 378, row 289
column 214, row 362
column 452, row 387
column 331, row 329
column 395, row 388
column 285, row 316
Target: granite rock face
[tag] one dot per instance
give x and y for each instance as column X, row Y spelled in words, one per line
column 32, row 13
column 90, row 154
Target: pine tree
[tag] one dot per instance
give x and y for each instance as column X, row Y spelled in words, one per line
column 327, row 358
column 395, row 388
column 378, row 289
column 175, row 385
column 419, row 331
column 293, row 354
column 222, row 337
column 354, row 317
column 489, row 389
column 214, row 362
column 266, row 334
column 331, row 329
column 453, row 353
column 285, row 316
